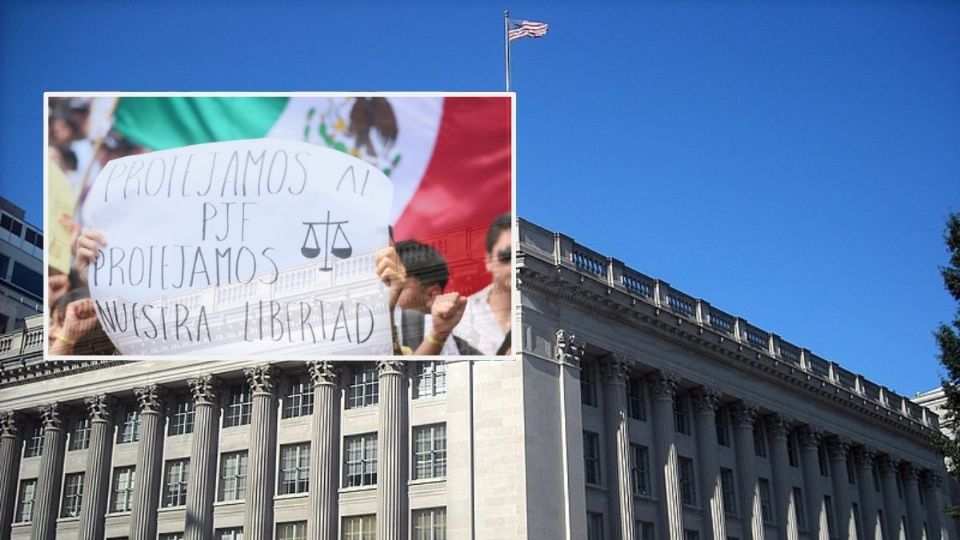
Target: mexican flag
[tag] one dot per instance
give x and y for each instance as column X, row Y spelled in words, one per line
column 448, row 157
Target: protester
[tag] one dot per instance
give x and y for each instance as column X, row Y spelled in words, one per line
column 487, row 320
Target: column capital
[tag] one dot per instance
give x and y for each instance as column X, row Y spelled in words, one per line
column 810, row 437
column 779, row 425
column 390, row 367
column 323, row 372
column 616, row 368
column 930, row 479
column 910, row 471
column 150, row 398
column 569, row 349
column 100, row 407
column 10, row 423
column 204, row 389
column 838, row 448
column 664, row 383
column 744, row 413
column 51, row 416
column 864, row 455
column 887, row 464
column 262, row 378
column 706, row 399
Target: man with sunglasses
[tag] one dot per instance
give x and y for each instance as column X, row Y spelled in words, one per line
column 486, row 321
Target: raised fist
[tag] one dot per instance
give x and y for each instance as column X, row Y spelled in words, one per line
column 446, row 312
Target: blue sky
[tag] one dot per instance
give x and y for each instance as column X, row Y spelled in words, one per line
column 790, row 162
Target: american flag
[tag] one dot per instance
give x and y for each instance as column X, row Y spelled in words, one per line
column 521, row 28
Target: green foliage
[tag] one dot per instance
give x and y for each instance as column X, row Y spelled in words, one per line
column 948, row 340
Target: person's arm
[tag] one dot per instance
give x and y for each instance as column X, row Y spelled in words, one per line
column 79, row 320
column 445, row 314
column 88, row 249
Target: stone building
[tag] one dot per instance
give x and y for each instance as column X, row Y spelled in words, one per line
column 21, row 267
column 632, row 411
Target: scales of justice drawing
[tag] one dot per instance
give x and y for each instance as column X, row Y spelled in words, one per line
column 337, row 246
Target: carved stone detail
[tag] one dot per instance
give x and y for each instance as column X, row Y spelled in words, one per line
column 838, row 448
column 100, row 407
column 779, row 425
column 886, row 464
column 744, row 413
column 51, row 416
column 390, row 367
column 864, row 456
column 706, row 398
column 810, row 437
column 323, row 372
column 664, row 384
column 262, row 378
column 150, row 398
column 569, row 350
column 616, row 368
column 204, row 389
column 10, row 423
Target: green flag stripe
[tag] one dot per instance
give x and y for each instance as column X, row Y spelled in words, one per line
column 159, row 123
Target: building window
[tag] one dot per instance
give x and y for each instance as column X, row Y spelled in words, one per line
column 831, row 523
column 80, row 434
column 238, row 407
column 822, row 458
column 430, row 451
column 181, row 420
column 364, row 388
column 690, row 534
column 681, row 414
column 72, row 495
column 759, row 440
column 688, row 481
column 851, row 470
column 643, row 530
column 594, row 526
column 171, row 536
column 430, row 379
column 636, row 406
column 232, row 533
column 130, row 427
column 793, row 455
column 25, row 500
column 34, row 442
column 588, row 384
column 766, row 504
column 175, row 483
column 640, row 469
column 728, row 485
column 856, row 520
column 360, row 527
column 899, row 484
column 361, row 460
column 294, row 468
column 299, row 398
column 121, row 493
column 294, row 530
column 875, row 472
column 591, row 457
column 430, row 524
column 801, row 510
column 233, row 476
column 723, row 427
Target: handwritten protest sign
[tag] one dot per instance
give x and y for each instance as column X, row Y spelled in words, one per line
column 260, row 246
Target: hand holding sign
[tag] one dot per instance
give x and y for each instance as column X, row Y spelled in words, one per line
column 88, row 249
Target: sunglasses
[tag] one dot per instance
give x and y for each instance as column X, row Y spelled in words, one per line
column 504, row 255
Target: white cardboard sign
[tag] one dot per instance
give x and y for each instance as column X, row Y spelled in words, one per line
column 260, row 246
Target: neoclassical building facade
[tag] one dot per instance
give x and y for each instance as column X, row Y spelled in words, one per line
column 631, row 412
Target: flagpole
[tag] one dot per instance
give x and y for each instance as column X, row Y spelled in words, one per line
column 506, row 44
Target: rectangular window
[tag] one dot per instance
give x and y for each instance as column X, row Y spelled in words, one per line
column 28, row 279
column 822, row 458
column 766, row 504
column 294, row 468
column 856, row 520
column 430, row 524
column 72, row 495
column 233, row 476
column 640, row 469
column 759, row 439
column 232, row 533
column 688, row 481
column 294, row 530
column 430, row 451
column 876, row 477
column 238, row 407
column 360, row 460
column 80, row 433
column 643, row 530
column 171, row 536
column 801, row 510
column 636, row 406
column 899, row 484
column 681, row 414
column 690, row 534
column 728, row 485
column 181, row 419
column 130, row 427
column 34, row 442
column 831, row 523
column 360, row 527
column 591, row 457
column 121, row 492
column 364, row 388
column 299, row 398
column 175, row 483
column 588, row 384
column 430, row 379
column 851, row 470
column 25, row 501
column 594, row 526
column 793, row 454
column 723, row 427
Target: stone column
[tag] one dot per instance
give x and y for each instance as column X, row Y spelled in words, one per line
column 839, row 450
column 10, row 447
column 711, row 489
column 202, row 480
column 934, row 505
column 810, row 439
column 911, row 492
column 324, row 451
column 146, row 488
column 664, row 385
column 51, row 473
column 868, row 494
column 620, row 492
column 261, row 474
column 744, row 418
column 892, row 507
column 391, row 465
column 96, row 478
column 779, row 426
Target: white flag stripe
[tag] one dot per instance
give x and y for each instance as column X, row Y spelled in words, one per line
column 524, row 28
